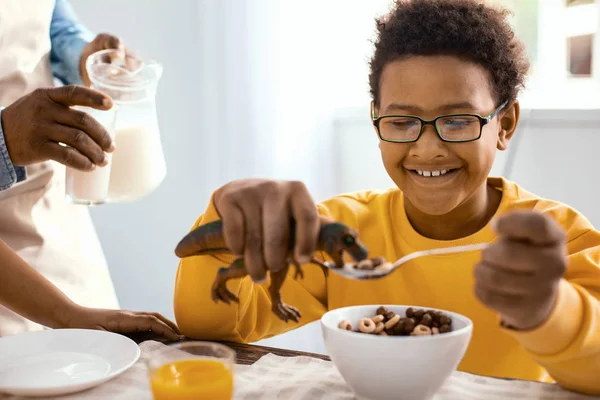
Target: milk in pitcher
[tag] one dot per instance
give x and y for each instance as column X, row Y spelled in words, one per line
column 138, row 166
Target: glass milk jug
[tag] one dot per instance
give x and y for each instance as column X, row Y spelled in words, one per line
column 138, row 165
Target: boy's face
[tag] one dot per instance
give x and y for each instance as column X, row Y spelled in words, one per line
column 429, row 86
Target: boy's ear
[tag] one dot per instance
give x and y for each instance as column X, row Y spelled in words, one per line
column 509, row 119
column 373, row 112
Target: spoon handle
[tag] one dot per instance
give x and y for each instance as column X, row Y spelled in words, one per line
column 441, row 250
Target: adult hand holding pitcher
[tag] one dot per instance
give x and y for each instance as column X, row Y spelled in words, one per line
column 137, row 166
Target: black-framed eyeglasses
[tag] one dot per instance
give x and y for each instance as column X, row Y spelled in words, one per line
column 450, row 128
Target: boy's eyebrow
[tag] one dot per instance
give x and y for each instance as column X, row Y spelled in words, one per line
column 416, row 110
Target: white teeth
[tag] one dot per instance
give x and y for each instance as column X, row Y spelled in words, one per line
column 432, row 173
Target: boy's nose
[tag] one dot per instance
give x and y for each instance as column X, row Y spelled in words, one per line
column 429, row 145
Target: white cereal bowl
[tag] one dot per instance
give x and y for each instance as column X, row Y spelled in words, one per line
column 393, row 367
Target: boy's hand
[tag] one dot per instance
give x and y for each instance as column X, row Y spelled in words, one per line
column 518, row 275
column 256, row 216
column 122, row 321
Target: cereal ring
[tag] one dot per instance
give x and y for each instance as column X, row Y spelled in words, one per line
column 393, row 321
column 365, row 264
column 379, row 327
column 377, row 319
column 383, row 333
column 378, row 261
column 366, row 325
column 435, row 331
column 345, row 324
column 421, row 330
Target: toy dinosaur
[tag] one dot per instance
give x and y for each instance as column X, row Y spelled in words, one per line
column 334, row 238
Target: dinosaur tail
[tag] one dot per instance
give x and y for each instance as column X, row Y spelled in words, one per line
column 204, row 239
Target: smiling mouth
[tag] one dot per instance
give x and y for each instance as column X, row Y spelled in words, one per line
column 433, row 173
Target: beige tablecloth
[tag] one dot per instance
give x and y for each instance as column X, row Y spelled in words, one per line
column 294, row 378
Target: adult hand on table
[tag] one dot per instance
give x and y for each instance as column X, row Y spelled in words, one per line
column 121, row 321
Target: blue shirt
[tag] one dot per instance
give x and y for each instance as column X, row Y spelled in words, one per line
column 68, row 38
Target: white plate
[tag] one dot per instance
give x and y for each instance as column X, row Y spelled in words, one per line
column 62, row 361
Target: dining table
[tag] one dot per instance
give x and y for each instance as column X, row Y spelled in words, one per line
column 263, row 373
column 279, row 373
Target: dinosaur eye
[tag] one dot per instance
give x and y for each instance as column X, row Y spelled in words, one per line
column 348, row 240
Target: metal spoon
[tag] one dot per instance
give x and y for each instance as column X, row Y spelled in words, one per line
column 349, row 271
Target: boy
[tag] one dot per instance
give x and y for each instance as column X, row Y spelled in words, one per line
column 28, row 293
column 532, row 294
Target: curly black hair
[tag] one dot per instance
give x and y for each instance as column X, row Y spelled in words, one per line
column 466, row 29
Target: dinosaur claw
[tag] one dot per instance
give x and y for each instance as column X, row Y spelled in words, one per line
column 214, row 296
column 232, row 296
column 286, row 313
column 225, row 295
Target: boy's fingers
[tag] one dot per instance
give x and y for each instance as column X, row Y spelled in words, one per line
column 276, row 228
column 253, row 243
column 233, row 228
column 522, row 258
column 306, row 217
column 499, row 301
column 506, row 281
column 530, row 226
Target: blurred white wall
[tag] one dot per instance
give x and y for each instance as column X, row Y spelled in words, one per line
column 138, row 238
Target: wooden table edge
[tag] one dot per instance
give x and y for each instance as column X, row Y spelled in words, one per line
column 246, row 354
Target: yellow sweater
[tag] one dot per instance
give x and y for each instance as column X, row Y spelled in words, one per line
column 566, row 348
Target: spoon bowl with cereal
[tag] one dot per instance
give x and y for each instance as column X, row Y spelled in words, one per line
column 377, row 267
